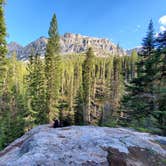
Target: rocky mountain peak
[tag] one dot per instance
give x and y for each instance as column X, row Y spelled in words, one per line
column 70, row 43
column 14, row 45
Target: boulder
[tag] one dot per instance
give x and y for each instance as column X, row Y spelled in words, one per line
column 85, row 146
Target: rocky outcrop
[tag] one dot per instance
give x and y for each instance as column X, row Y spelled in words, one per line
column 137, row 49
column 70, row 43
column 85, row 145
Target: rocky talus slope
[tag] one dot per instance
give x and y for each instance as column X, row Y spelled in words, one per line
column 69, row 43
column 85, row 146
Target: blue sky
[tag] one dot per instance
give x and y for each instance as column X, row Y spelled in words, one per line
column 122, row 21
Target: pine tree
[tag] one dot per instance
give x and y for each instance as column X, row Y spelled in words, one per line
column 3, row 47
column 133, row 60
column 3, row 51
column 3, row 76
column 78, row 116
column 53, row 70
column 160, row 80
column 149, row 41
column 140, row 100
column 36, row 92
column 116, row 88
column 39, row 100
column 87, row 85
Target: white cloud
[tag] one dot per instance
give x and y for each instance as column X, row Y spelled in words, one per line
column 162, row 28
column 162, row 22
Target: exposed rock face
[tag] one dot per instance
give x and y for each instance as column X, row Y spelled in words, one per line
column 14, row 47
column 70, row 43
column 86, row 145
column 137, row 49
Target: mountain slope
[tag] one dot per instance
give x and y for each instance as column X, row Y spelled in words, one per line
column 70, row 43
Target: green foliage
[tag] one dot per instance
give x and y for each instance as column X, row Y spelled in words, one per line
column 87, row 84
column 79, row 105
column 144, row 103
column 52, row 71
column 36, row 92
column 111, row 122
column 13, row 110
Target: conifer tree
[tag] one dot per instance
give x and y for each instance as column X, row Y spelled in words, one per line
column 3, row 75
column 78, row 116
column 160, row 80
column 3, row 47
column 133, row 61
column 116, row 88
column 141, row 99
column 30, row 119
column 3, row 51
column 87, row 85
column 36, row 91
column 53, row 70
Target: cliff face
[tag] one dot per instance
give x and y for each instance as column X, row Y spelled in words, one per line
column 75, row 43
column 70, row 43
column 85, row 145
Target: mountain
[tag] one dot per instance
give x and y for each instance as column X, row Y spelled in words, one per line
column 137, row 49
column 70, row 43
column 15, row 47
column 85, row 146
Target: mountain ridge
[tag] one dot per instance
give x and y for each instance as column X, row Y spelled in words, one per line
column 69, row 43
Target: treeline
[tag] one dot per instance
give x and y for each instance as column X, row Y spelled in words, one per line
column 82, row 89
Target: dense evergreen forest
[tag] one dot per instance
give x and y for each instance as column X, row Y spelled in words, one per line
column 127, row 91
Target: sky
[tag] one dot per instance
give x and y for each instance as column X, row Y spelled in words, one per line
column 122, row 21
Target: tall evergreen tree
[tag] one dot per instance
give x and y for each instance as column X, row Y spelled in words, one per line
column 40, row 92
column 87, row 85
column 141, row 99
column 116, row 88
column 133, row 61
column 36, row 91
column 3, row 51
column 148, row 43
column 3, row 75
column 53, row 70
column 78, row 116
column 160, row 80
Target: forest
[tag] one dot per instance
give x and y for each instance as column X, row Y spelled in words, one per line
column 82, row 89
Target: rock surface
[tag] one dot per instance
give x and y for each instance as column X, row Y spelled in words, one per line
column 70, row 43
column 85, row 145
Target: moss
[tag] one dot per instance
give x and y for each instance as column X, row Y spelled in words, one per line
column 163, row 161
